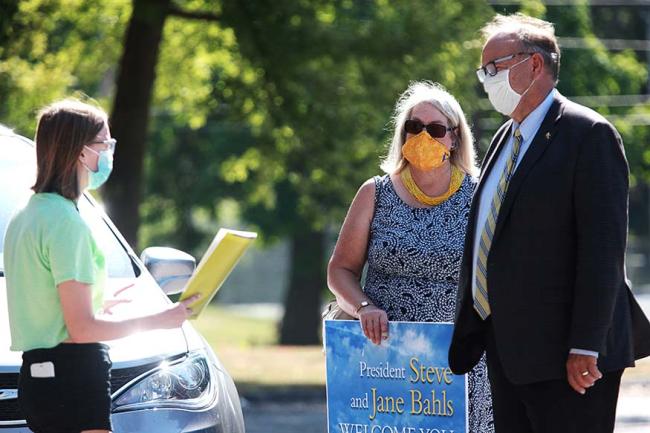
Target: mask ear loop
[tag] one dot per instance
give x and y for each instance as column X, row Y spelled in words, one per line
column 83, row 163
column 455, row 141
column 532, row 81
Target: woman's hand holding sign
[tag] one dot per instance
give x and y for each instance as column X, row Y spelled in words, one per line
column 374, row 323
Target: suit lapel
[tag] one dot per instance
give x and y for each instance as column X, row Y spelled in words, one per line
column 540, row 143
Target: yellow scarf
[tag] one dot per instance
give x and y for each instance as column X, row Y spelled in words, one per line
column 457, row 177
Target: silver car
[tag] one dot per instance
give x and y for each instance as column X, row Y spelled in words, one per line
column 162, row 381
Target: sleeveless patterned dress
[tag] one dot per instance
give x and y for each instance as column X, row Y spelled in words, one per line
column 414, row 258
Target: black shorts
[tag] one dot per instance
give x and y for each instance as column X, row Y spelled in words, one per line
column 77, row 398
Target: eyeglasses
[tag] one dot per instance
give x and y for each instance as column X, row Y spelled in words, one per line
column 490, row 68
column 110, row 142
column 436, row 130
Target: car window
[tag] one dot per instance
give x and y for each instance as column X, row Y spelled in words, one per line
column 118, row 262
column 17, row 175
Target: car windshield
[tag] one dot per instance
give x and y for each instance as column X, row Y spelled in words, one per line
column 17, row 175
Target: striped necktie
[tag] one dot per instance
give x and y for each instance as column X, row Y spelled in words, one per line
column 481, row 302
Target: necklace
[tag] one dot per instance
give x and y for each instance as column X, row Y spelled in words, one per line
column 457, row 177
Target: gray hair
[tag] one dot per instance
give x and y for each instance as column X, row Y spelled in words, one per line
column 535, row 35
column 463, row 154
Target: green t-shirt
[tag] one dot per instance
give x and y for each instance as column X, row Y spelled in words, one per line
column 47, row 243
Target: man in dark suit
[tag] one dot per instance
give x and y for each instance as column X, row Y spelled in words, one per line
column 543, row 288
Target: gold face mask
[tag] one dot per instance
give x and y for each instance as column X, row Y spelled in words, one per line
column 425, row 152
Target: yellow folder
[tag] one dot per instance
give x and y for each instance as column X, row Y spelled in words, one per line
column 219, row 260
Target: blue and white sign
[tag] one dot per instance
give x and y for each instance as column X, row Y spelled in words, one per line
column 404, row 385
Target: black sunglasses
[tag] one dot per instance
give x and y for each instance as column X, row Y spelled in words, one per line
column 490, row 68
column 436, row 130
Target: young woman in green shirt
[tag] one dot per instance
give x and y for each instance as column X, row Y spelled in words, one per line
column 55, row 276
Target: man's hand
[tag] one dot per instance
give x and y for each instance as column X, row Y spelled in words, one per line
column 582, row 372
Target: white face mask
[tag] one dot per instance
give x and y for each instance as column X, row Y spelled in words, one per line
column 503, row 97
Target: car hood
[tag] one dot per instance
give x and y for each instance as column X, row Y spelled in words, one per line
column 144, row 297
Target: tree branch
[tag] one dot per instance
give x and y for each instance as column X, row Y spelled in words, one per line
column 206, row 16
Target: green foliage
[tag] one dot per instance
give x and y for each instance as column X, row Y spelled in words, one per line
column 201, row 150
column 597, row 71
column 284, row 106
column 52, row 48
column 331, row 74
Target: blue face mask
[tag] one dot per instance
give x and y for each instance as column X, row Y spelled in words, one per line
column 104, row 168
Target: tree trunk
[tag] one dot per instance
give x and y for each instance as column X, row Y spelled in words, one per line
column 130, row 116
column 8, row 9
column 301, row 322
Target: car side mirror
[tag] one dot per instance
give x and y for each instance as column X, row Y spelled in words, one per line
column 171, row 268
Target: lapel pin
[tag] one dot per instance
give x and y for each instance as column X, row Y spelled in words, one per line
column 548, row 135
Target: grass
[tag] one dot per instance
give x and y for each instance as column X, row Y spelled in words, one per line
column 246, row 347
column 223, row 328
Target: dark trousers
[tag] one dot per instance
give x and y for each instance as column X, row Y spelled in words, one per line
column 551, row 406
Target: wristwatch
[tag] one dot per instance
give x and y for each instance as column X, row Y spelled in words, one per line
column 361, row 305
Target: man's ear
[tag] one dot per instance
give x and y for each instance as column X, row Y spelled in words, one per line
column 538, row 63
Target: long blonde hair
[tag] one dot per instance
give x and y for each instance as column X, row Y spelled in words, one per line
column 463, row 155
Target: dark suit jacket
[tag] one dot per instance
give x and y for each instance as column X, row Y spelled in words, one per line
column 556, row 267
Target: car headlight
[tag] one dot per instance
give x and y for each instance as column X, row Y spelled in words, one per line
column 184, row 383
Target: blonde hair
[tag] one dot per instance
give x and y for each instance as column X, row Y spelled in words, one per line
column 535, row 35
column 463, row 154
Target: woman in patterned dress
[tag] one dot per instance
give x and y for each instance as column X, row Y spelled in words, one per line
column 409, row 226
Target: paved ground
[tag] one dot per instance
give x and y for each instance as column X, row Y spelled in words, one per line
column 286, row 417
column 310, row 417
column 633, row 415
